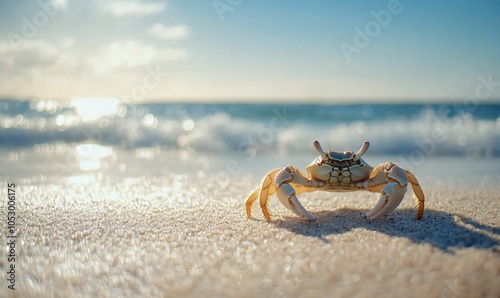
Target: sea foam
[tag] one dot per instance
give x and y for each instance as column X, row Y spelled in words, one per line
column 248, row 129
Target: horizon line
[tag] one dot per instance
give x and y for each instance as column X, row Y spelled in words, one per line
column 274, row 100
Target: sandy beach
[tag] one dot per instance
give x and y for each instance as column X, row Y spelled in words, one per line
column 186, row 236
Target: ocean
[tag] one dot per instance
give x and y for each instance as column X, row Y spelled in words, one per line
column 44, row 137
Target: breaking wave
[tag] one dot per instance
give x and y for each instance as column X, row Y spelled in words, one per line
column 219, row 129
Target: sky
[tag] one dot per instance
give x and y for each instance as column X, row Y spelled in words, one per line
column 249, row 50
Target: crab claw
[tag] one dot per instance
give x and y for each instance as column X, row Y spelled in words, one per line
column 392, row 193
column 286, row 193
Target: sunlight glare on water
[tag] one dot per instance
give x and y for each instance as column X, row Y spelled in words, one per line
column 90, row 156
column 91, row 109
column 188, row 124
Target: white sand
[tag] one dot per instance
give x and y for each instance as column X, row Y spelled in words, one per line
column 183, row 237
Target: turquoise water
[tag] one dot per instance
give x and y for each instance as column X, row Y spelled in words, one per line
column 104, row 136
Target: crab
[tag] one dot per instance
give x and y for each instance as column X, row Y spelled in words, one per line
column 338, row 172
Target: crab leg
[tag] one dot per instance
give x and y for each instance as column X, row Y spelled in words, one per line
column 251, row 198
column 417, row 190
column 263, row 192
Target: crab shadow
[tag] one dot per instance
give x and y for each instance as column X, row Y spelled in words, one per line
column 442, row 230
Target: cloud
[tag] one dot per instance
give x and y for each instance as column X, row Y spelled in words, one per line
column 33, row 53
column 133, row 8
column 63, row 56
column 160, row 31
column 130, row 54
column 6, row 60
